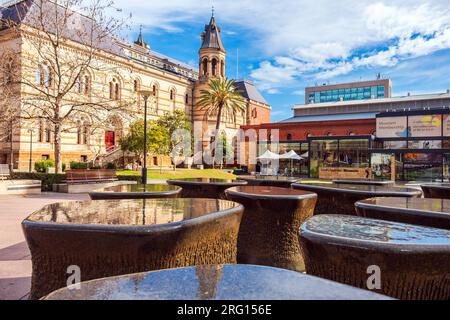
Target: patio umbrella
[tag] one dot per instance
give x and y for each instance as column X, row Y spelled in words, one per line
column 269, row 155
column 291, row 156
column 266, row 157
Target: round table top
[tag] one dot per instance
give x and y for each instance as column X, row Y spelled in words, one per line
column 369, row 190
column 443, row 186
column 206, row 181
column 429, row 206
column 113, row 214
column 267, row 192
column 141, row 188
column 220, row 282
column 363, row 230
column 268, row 178
column 364, row 182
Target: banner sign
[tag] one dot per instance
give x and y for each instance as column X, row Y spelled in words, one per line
column 392, row 127
column 425, row 126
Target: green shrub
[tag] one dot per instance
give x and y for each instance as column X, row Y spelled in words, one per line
column 42, row 165
column 78, row 165
column 48, row 180
column 138, row 179
column 111, row 166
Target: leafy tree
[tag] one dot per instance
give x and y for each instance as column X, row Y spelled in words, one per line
column 172, row 122
column 221, row 98
column 158, row 139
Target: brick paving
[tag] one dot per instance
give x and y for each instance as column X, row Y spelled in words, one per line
column 15, row 259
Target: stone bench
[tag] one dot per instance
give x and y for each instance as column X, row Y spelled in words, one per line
column 413, row 261
column 90, row 176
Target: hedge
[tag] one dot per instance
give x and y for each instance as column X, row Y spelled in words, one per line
column 47, row 179
column 130, row 178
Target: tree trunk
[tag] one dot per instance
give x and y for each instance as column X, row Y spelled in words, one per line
column 58, row 158
column 219, row 117
column 11, row 145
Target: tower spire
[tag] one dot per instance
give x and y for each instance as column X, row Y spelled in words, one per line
column 212, row 11
column 140, row 41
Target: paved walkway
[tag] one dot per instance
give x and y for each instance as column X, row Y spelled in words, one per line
column 15, row 263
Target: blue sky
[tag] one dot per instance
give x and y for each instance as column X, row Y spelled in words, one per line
column 286, row 45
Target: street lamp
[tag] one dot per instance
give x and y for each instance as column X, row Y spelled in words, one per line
column 31, row 131
column 145, row 95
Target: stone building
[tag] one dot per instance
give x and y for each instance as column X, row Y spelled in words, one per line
column 124, row 71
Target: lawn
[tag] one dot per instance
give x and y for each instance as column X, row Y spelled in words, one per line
column 181, row 174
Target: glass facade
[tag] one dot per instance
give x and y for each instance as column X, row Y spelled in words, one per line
column 362, row 93
column 338, row 153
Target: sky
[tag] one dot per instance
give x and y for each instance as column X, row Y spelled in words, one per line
column 286, row 45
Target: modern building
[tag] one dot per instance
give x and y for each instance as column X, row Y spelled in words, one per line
column 122, row 71
column 376, row 89
column 406, row 138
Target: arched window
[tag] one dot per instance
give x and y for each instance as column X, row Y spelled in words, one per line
column 186, row 99
column 289, row 137
column 205, row 66
column 44, row 76
column 114, row 90
column 155, row 90
column 222, row 68
column 87, row 85
column 40, row 133
column 254, row 113
column 48, row 133
column 136, row 86
column 83, row 132
column 9, row 71
column 172, row 94
column 111, row 90
column 214, row 67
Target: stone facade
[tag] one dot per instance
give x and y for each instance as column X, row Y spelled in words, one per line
column 122, row 73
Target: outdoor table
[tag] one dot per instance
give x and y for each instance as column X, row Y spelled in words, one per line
column 365, row 182
column 272, row 181
column 341, row 198
column 115, row 237
column 205, row 187
column 215, row 282
column 270, row 223
column 426, row 212
column 136, row 191
column 410, row 262
column 436, row 190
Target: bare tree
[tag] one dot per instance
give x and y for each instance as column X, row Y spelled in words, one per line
column 9, row 108
column 71, row 42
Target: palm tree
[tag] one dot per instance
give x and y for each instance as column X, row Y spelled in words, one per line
column 221, row 97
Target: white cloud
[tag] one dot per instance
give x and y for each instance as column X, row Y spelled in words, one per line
column 310, row 40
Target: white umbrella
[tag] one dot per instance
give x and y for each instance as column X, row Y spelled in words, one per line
column 266, row 158
column 269, row 155
column 291, row 155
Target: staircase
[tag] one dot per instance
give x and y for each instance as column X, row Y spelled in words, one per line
column 114, row 156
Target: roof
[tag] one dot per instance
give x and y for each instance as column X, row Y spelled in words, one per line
column 432, row 96
column 28, row 12
column 211, row 36
column 331, row 117
column 248, row 90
